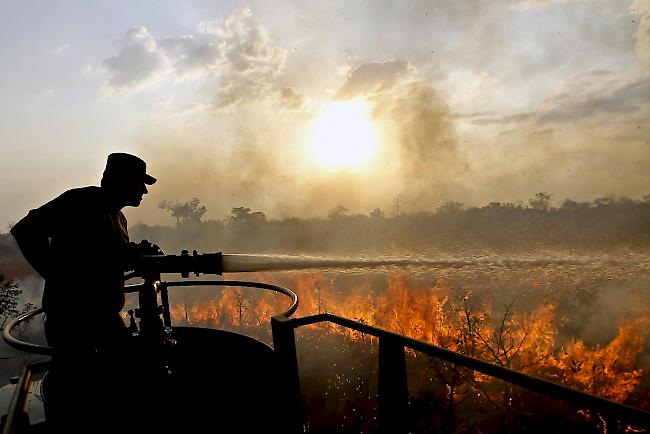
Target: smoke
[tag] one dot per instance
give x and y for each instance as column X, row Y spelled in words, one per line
column 242, row 140
column 419, row 127
column 256, row 155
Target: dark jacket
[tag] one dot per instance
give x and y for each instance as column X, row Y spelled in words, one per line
column 84, row 248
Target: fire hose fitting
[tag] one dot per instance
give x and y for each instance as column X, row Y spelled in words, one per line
column 184, row 264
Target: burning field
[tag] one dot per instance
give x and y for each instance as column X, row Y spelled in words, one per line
column 583, row 323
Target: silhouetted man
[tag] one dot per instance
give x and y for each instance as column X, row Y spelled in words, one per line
column 79, row 243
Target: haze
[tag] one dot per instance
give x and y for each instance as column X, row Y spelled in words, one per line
column 471, row 101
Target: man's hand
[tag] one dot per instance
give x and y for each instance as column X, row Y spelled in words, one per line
column 146, row 248
column 135, row 251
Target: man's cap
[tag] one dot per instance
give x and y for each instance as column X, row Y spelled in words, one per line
column 127, row 166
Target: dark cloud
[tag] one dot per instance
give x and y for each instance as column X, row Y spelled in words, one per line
column 626, row 98
column 487, row 118
column 138, row 65
column 543, row 131
column 590, row 95
column 371, row 78
column 291, row 98
column 474, row 115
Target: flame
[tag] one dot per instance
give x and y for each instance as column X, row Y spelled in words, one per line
column 609, row 371
column 434, row 313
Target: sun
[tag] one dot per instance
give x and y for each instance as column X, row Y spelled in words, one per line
column 344, row 135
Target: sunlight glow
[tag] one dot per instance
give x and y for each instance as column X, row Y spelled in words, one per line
column 344, row 135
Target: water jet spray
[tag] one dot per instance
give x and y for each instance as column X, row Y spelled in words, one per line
column 219, row 263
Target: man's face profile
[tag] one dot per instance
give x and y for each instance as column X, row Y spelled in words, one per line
column 132, row 192
column 125, row 177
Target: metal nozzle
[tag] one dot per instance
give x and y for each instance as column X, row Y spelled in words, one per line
column 206, row 263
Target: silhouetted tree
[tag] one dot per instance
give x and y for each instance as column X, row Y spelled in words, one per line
column 605, row 221
column 570, row 204
column 243, row 215
column 338, row 212
column 605, row 201
column 191, row 211
column 451, row 206
column 9, row 299
column 541, row 201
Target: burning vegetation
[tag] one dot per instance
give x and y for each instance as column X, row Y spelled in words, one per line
column 339, row 366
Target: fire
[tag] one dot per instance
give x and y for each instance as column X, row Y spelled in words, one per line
column 608, row 371
column 437, row 313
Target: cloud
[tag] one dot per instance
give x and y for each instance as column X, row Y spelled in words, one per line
column 584, row 96
column 235, row 56
column 139, row 64
column 190, row 58
column 251, row 61
column 371, row 78
column 622, row 98
column 487, row 118
column 642, row 36
column 588, row 139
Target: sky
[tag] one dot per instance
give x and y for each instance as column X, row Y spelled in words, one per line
column 292, row 108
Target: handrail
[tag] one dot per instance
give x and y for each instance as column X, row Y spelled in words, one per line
column 294, row 298
column 25, row 346
column 530, row 382
column 48, row 351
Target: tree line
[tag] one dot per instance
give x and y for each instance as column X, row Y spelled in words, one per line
column 603, row 223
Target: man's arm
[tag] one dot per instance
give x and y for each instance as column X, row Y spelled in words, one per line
column 33, row 243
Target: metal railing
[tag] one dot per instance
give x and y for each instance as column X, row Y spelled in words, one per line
column 21, row 345
column 392, row 390
column 162, row 287
column 392, row 387
column 17, row 419
column 279, row 289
